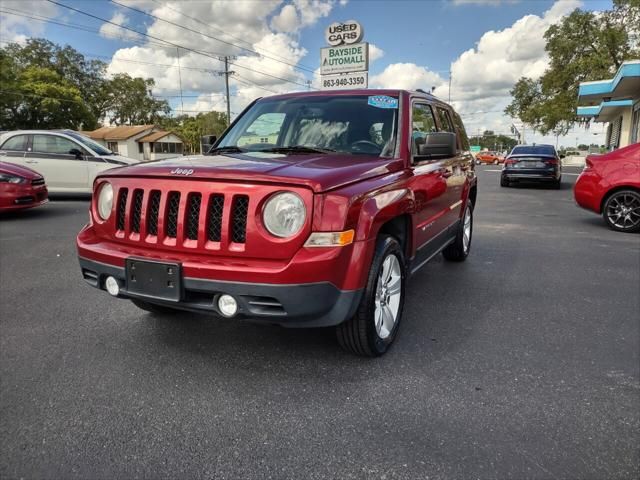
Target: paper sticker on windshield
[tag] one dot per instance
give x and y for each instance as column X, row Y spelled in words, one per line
column 383, row 101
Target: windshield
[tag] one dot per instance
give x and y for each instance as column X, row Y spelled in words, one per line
column 345, row 124
column 546, row 150
column 87, row 142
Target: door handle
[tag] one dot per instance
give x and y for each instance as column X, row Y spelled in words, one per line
column 3, row 154
column 30, row 161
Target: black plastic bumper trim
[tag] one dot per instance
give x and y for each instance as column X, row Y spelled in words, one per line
column 303, row 305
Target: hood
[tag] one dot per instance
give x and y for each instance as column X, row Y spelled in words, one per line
column 14, row 169
column 320, row 172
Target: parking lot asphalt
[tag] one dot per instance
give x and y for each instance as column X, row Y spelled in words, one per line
column 522, row 362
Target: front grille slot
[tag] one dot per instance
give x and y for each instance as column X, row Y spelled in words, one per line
column 37, row 181
column 173, row 204
column 239, row 216
column 153, row 212
column 193, row 215
column 214, row 218
column 136, row 210
column 122, row 207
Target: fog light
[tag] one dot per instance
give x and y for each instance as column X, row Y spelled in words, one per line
column 227, row 305
column 112, row 286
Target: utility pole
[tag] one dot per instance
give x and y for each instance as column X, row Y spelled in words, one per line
column 226, row 81
column 180, row 78
column 449, row 85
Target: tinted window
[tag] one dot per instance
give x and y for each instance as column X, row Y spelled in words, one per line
column 53, row 144
column 95, row 146
column 423, row 124
column 17, row 143
column 462, row 134
column 354, row 124
column 264, row 129
column 533, row 150
column 445, row 121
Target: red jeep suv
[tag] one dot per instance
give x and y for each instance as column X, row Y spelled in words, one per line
column 311, row 210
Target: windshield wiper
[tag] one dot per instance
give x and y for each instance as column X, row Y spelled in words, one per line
column 298, row 149
column 227, row 149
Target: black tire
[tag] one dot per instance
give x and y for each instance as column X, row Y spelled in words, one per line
column 558, row 184
column 458, row 251
column 495, row 162
column 504, row 182
column 627, row 199
column 359, row 335
column 153, row 308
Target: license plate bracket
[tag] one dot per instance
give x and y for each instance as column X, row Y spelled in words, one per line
column 148, row 278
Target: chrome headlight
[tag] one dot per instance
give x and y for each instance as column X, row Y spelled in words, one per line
column 284, row 214
column 105, row 201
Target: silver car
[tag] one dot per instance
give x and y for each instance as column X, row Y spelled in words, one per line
column 68, row 160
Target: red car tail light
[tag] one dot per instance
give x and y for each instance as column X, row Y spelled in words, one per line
column 551, row 161
column 509, row 161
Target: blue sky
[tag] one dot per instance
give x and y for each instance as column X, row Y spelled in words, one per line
column 416, row 44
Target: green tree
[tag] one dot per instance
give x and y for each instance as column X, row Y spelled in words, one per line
column 129, row 101
column 583, row 46
column 191, row 129
column 43, row 85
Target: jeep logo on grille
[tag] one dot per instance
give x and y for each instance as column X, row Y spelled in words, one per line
column 182, row 171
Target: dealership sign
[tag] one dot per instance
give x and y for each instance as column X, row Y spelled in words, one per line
column 345, row 63
column 344, row 59
column 346, row 33
column 346, row 80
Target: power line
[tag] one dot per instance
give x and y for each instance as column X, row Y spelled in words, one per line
column 197, row 20
column 207, row 35
column 168, row 42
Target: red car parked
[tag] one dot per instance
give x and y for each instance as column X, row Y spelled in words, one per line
column 610, row 185
column 311, row 210
column 20, row 188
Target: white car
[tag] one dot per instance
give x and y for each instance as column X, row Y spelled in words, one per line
column 67, row 160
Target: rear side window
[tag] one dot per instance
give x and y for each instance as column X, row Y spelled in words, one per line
column 16, row 143
column 445, row 121
column 462, row 133
column 53, row 144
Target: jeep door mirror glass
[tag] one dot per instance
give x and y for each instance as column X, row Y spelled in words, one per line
column 77, row 153
column 437, row 145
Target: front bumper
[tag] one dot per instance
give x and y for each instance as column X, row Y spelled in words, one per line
column 302, row 305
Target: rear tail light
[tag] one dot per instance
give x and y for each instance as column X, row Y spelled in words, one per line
column 551, row 161
column 509, row 161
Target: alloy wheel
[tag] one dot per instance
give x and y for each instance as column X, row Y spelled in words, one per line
column 388, row 295
column 623, row 210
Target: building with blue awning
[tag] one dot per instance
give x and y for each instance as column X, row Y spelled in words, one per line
column 615, row 101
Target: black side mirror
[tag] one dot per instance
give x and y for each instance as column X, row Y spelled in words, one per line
column 438, row 145
column 562, row 155
column 78, row 154
column 209, row 139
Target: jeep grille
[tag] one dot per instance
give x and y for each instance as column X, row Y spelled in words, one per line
column 130, row 215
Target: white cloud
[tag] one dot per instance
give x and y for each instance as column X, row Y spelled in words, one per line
column 14, row 28
column 406, row 76
column 482, row 76
column 109, row 30
column 287, row 20
column 375, row 52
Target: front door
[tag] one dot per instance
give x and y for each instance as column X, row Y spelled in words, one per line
column 50, row 155
column 430, row 186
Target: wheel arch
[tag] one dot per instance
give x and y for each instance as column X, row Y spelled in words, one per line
column 614, row 190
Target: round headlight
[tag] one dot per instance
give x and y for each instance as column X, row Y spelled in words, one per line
column 284, row 214
column 105, row 201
